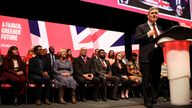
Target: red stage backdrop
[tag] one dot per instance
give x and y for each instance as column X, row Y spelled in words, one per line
column 26, row 33
column 14, row 31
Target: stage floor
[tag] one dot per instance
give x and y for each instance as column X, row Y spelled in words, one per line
column 122, row 103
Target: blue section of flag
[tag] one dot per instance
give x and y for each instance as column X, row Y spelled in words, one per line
column 119, row 42
column 80, row 29
column 34, row 27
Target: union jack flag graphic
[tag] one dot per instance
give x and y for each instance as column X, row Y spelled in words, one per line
column 75, row 37
column 34, row 32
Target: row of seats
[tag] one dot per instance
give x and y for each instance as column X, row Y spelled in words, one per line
column 5, row 88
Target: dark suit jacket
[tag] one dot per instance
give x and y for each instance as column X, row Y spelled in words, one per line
column 147, row 48
column 48, row 58
column 34, row 66
column 99, row 69
column 80, row 67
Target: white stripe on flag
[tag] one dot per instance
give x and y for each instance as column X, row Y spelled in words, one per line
column 34, row 40
column 43, row 33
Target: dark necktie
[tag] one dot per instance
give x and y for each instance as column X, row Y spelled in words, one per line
column 155, row 30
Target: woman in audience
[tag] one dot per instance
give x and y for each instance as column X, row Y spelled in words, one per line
column 111, row 57
column 14, row 72
column 63, row 70
column 135, row 74
column 70, row 56
column 119, row 69
column 133, row 69
column 26, row 59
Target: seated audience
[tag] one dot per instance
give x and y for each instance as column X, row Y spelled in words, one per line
column 83, row 72
column 63, row 71
column 102, row 70
column 30, row 54
column 135, row 75
column 120, row 69
column 39, row 73
column 95, row 54
column 70, row 56
column 133, row 67
column 14, row 72
column 125, row 60
column 111, row 57
column 51, row 57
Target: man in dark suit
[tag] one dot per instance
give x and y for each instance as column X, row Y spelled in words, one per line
column 50, row 58
column 150, row 56
column 102, row 69
column 39, row 73
column 83, row 73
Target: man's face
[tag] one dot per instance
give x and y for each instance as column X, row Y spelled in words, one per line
column 102, row 54
column 40, row 51
column 52, row 50
column 83, row 52
column 96, row 51
column 153, row 16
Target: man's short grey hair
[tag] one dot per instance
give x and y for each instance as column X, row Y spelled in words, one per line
column 153, row 8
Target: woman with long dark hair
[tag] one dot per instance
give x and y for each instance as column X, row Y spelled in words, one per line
column 14, row 72
column 119, row 69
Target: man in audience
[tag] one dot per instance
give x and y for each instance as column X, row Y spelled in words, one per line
column 83, row 73
column 102, row 69
column 39, row 73
column 51, row 57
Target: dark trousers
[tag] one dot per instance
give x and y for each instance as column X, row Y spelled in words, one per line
column 114, row 80
column 150, row 81
column 164, row 87
column 82, row 81
column 39, row 80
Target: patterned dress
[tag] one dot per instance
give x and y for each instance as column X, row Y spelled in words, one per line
column 62, row 66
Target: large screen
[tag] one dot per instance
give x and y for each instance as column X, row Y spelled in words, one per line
column 26, row 33
column 176, row 10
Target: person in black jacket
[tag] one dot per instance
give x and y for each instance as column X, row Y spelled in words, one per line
column 39, row 73
column 84, row 73
column 120, row 69
column 102, row 70
column 150, row 56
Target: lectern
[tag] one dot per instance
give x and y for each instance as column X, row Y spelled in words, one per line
column 176, row 42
